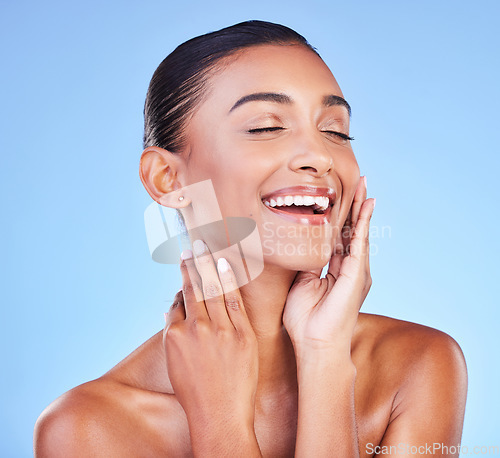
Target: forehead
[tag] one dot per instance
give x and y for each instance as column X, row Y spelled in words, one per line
column 291, row 69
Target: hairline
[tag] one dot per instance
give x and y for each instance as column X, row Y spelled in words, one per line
column 218, row 66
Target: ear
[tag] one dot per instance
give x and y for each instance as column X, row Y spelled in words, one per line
column 160, row 172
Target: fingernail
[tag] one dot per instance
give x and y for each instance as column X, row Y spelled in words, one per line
column 199, row 247
column 364, row 178
column 186, row 254
column 222, row 265
column 165, row 314
column 374, row 202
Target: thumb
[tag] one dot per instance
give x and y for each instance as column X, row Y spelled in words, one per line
column 307, row 275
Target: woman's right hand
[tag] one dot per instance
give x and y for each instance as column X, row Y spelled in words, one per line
column 211, row 348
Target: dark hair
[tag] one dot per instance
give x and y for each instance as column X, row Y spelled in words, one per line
column 178, row 84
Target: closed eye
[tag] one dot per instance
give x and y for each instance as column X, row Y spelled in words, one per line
column 338, row 134
column 273, row 129
column 264, row 129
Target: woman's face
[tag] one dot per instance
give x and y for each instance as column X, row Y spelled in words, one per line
column 254, row 149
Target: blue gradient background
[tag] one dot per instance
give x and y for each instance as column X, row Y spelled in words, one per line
column 79, row 290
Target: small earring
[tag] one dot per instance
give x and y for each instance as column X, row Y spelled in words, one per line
column 181, row 198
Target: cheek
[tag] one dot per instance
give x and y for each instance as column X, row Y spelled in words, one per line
column 234, row 186
column 348, row 172
column 352, row 179
column 350, row 169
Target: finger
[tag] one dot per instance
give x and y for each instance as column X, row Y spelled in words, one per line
column 212, row 289
column 368, row 239
column 359, row 243
column 232, row 298
column 191, row 287
column 315, row 272
column 335, row 264
column 345, row 235
column 341, row 248
column 176, row 311
column 306, row 276
column 352, row 218
column 359, row 198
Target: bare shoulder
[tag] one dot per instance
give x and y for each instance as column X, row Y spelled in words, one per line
column 403, row 342
column 415, row 362
column 409, row 372
column 114, row 415
column 80, row 419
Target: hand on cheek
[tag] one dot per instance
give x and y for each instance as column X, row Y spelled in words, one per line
column 320, row 313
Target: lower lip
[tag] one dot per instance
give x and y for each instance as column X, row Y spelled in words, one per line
column 314, row 220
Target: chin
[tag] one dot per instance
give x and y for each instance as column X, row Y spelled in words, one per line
column 315, row 258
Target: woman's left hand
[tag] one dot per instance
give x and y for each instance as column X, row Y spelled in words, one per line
column 321, row 313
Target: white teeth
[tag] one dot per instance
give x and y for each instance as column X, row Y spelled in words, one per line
column 298, row 200
column 308, row 200
column 321, row 201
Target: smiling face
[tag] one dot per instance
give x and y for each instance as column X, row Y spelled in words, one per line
column 273, row 131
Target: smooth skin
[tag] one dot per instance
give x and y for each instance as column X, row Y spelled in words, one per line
column 284, row 365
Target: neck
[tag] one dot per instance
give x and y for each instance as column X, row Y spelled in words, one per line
column 264, row 300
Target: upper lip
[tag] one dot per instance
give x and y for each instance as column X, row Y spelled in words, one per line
column 304, row 190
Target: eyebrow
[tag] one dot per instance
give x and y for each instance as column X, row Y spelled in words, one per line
column 328, row 100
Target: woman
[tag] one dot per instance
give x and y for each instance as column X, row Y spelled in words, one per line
column 282, row 364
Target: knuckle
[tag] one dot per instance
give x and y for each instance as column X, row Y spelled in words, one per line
column 223, row 333
column 191, row 288
column 200, row 326
column 212, row 289
column 173, row 332
column 174, row 305
column 178, row 300
column 187, row 289
column 233, row 303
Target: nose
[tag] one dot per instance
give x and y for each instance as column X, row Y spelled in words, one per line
column 311, row 156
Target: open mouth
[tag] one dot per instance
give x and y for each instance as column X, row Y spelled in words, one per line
column 300, row 205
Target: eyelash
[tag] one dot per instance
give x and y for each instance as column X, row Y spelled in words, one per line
column 272, row 129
